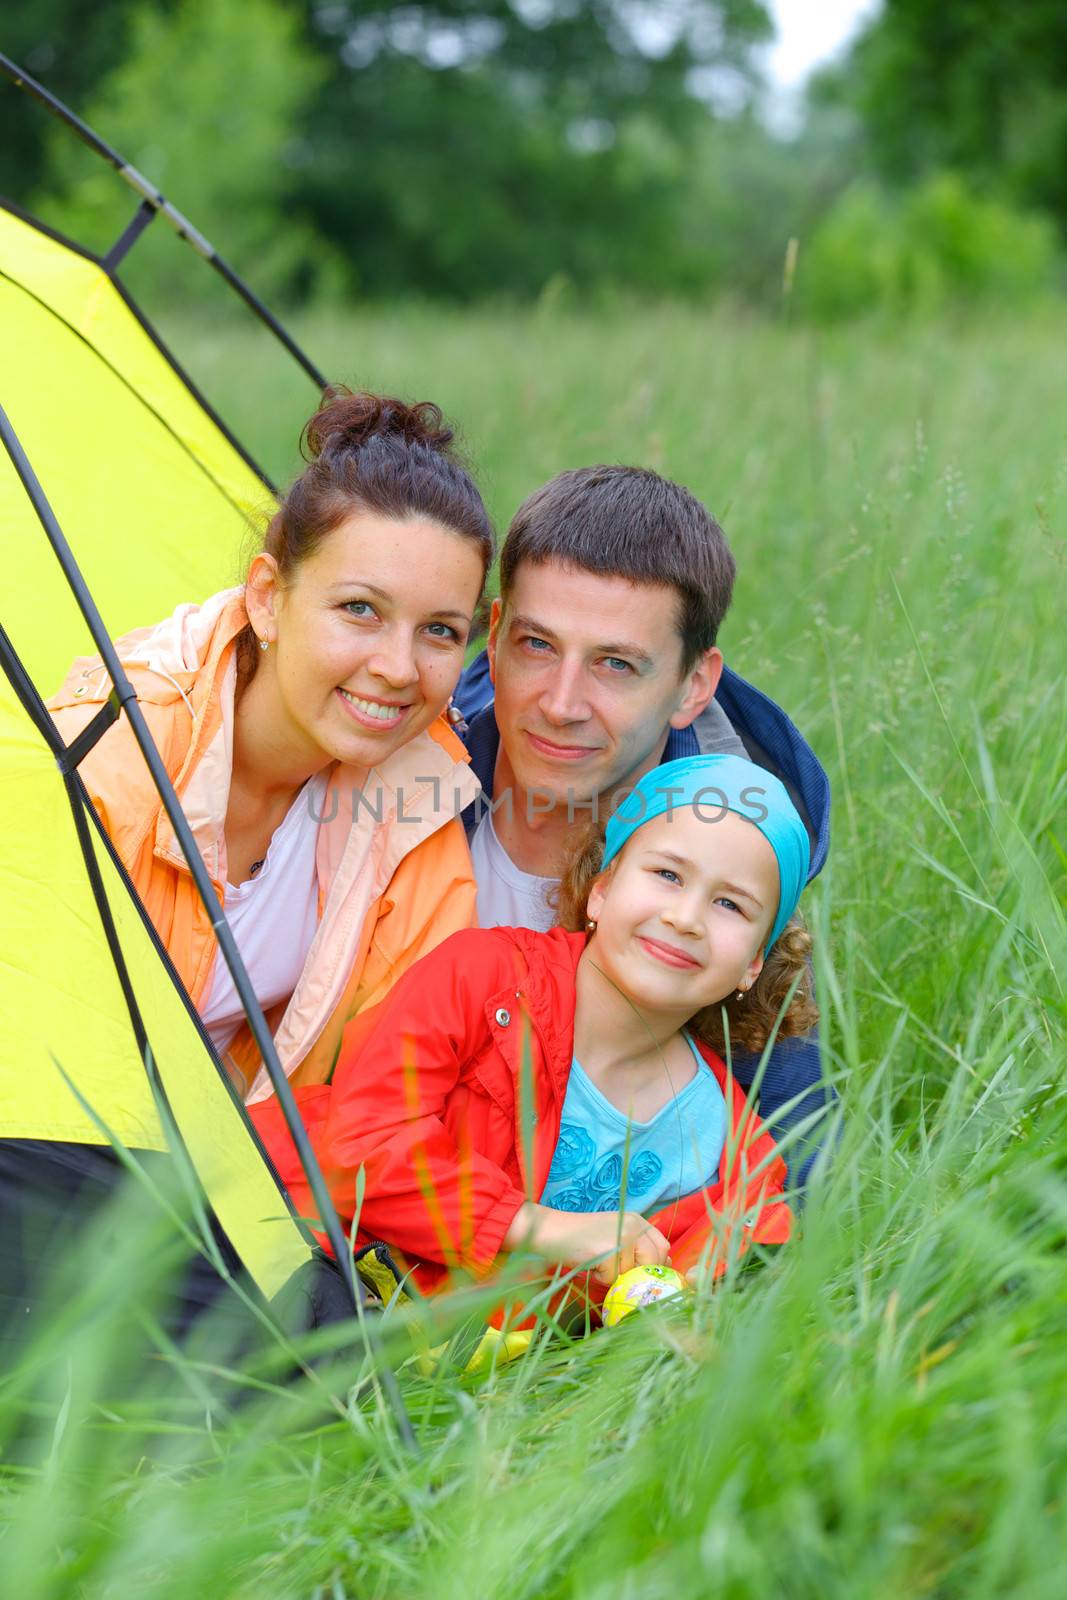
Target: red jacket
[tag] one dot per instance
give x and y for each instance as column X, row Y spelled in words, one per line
column 449, row 1095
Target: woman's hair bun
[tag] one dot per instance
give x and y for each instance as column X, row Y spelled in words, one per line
column 347, row 420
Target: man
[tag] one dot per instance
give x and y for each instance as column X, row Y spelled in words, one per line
column 602, row 663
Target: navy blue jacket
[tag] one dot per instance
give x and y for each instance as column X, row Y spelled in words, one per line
column 743, row 719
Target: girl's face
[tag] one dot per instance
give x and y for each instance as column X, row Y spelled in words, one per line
column 367, row 639
column 685, row 910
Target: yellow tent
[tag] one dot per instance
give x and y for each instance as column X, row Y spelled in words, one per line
column 153, row 498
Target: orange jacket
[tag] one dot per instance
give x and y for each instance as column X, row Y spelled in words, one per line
column 389, row 890
column 428, row 1100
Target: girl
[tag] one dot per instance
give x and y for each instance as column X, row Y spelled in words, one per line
column 565, row 1093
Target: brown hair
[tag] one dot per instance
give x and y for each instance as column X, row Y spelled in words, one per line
column 752, row 1020
column 628, row 522
column 368, row 452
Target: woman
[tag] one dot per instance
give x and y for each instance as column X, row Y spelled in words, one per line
column 302, row 718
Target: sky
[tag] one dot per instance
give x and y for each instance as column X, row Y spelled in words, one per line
column 809, row 33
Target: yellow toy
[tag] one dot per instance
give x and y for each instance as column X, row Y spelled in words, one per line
column 500, row 1346
column 641, row 1286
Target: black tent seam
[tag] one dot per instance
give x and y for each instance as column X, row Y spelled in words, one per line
column 201, row 399
column 128, row 386
column 77, row 799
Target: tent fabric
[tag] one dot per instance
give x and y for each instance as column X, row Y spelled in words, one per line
column 155, row 501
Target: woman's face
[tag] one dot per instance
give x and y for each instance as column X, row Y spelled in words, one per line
column 366, row 641
column 684, row 912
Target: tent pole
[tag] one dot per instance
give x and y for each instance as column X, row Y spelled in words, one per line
column 149, row 193
column 126, row 697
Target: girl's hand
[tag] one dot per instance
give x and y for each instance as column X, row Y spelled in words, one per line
column 615, row 1242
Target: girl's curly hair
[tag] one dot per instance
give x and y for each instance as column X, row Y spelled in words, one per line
column 751, row 1021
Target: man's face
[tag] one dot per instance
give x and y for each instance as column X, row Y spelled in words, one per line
column 587, row 672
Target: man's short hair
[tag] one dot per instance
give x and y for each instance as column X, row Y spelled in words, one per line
column 628, row 522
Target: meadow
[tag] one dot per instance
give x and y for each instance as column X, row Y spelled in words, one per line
column 881, row 1409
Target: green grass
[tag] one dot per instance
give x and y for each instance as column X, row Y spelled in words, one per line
column 880, row 1411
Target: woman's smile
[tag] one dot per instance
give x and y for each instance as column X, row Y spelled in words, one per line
column 380, row 714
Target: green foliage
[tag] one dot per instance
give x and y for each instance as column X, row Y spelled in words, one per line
column 205, row 102
column 70, row 45
column 457, row 152
column 972, row 85
column 922, row 250
column 747, row 194
column 466, row 152
column 880, row 1411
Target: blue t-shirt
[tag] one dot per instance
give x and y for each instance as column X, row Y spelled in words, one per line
column 676, row 1153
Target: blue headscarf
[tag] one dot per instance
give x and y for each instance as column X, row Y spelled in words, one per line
column 712, row 785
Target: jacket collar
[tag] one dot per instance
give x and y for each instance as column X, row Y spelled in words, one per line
column 538, row 997
column 542, row 988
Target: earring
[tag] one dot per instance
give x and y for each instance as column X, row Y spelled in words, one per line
column 741, row 993
column 590, row 926
column 263, row 645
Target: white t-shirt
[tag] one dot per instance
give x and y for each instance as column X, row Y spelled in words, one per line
column 508, row 898
column 273, row 918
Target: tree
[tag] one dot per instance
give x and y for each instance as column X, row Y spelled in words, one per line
column 455, row 148
column 465, row 148
column 205, row 101
column 70, row 45
column 971, row 85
